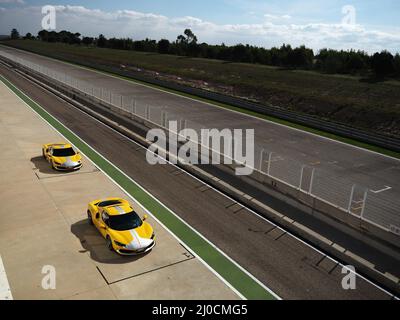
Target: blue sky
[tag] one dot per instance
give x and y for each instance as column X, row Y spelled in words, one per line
column 261, row 22
column 369, row 12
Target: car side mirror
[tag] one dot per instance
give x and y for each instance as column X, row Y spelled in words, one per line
column 145, row 217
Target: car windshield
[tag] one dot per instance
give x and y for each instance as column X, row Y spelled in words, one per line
column 67, row 152
column 125, row 221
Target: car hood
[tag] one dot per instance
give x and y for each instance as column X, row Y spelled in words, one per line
column 140, row 236
column 74, row 158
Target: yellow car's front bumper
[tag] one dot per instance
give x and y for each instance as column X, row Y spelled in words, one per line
column 69, row 168
column 125, row 252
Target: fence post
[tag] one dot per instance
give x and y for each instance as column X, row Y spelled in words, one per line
column 351, row 197
column 301, row 177
column 261, row 160
column 311, row 181
column 269, row 163
column 364, row 201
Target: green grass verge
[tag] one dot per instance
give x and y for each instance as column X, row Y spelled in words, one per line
column 229, row 107
column 253, row 113
column 241, row 281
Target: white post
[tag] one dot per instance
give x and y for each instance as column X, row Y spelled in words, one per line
column 301, row 177
column 261, row 160
column 351, row 197
column 311, row 181
column 363, row 206
column 269, row 163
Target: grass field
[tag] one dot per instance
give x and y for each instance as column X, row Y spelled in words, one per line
column 345, row 99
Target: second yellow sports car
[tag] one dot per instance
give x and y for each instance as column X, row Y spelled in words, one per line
column 125, row 232
column 62, row 156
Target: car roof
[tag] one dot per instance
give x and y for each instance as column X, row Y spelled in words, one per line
column 118, row 209
column 61, row 146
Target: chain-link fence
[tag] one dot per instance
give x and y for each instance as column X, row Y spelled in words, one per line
column 379, row 208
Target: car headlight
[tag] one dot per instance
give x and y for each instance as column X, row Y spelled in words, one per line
column 119, row 244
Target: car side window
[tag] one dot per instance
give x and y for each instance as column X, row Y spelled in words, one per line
column 104, row 216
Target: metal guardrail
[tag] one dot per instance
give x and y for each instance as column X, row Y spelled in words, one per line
column 375, row 208
column 373, row 138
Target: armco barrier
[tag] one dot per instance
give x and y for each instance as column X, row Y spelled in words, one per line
column 306, row 202
column 388, row 281
column 373, row 138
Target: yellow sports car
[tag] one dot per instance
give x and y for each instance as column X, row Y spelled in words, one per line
column 62, row 156
column 125, row 232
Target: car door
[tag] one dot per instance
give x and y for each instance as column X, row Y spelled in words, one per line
column 49, row 152
column 103, row 223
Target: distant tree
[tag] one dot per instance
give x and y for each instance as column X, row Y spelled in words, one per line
column 14, row 34
column 102, row 41
column 396, row 62
column 87, row 41
column 28, row 36
column 43, row 35
column 382, row 64
column 300, row 57
column 163, row 46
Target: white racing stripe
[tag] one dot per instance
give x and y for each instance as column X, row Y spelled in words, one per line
column 5, row 291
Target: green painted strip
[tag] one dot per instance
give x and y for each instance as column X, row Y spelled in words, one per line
column 241, row 281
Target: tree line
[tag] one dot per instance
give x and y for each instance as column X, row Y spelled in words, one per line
column 381, row 64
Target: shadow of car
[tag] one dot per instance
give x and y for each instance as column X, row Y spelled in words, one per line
column 92, row 242
column 45, row 167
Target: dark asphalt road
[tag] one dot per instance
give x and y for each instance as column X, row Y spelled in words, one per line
column 338, row 166
column 289, row 267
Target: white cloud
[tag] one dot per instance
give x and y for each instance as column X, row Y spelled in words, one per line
column 277, row 17
column 13, row 1
column 274, row 31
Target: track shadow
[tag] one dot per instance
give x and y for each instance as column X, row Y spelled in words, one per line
column 43, row 166
column 92, row 242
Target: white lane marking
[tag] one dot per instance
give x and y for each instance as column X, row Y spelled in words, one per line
column 149, row 213
column 5, row 291
column 382, row 190
column 199, row 101
column 216, row 190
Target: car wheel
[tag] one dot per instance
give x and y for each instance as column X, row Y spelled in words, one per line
column 109, row 243
column 89, row 216
column 44, row 156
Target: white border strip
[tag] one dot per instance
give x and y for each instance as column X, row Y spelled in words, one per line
column 5, row 291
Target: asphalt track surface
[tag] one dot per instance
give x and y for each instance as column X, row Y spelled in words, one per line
column 338, row 166
column 286, row 265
